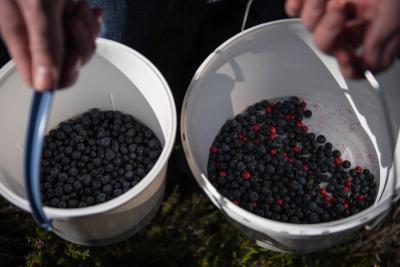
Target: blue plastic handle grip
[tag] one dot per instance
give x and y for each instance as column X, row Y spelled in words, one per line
column 40, row 109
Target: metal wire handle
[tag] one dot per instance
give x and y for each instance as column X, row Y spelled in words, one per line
column 246, row 14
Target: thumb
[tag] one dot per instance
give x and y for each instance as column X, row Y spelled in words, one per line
column 44, row 20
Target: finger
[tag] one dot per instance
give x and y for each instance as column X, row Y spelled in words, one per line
column 382, row 29
column 293, row 7
column 15, row 37
column 391, row 51
column 70, row 73
column 349, row 64
column 312, row 12
column 46, row 38
column 81, row 40
column 329, row 30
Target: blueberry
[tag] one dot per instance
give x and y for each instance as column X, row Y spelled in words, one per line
column 321, row 139
column 109, row 155
column 101, row 198
column 270, row 169
column 307, row 113
column 76, row 155
column 62, row 204
column 73, row 171
column 105, row 141
column 314, row 218
column 254, row 196
column 107, row 189
column 86, row 179
column 117, row 192
column 312, row 206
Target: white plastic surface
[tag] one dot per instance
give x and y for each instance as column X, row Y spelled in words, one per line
column 117, row 78
column 278, row 60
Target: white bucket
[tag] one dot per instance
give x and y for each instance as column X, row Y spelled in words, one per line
column 276, row 60
column 116, row 78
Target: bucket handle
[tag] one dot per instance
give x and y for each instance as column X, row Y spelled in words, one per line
column 40, row 109
column 246, row 15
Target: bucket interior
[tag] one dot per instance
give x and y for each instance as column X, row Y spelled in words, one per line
column 280, row 61
column 115, row 79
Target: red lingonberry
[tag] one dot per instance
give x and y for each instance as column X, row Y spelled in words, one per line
column 284, row 154
column 296, row 149
column 338, row 161
column 272, row 130
column 246, row 176
column 279, row 202
column 348, row 183
column 303, row 104
column 304, row 128
column 346, row 189
column 361, row 197
column 346, row 205
column 358, row 169
column 272, row 136
column 299, row 125
column 327, row 199
column 214, row 150
column 256, row 128
column 253, row 205
column 268, row 109
column 305, row 168
column 290, row 160
column 273, row 152
column 222, row 174
column 323, row 191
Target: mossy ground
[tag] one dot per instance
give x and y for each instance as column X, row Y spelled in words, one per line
column 187, row 231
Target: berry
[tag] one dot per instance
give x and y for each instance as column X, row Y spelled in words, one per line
column 87, row 154
column 267, row 162
column 246, row 176
column 338, row 161
column 214, row 150
column 256, row 128
column 321, row 139
column 358, row 169
column 307, row 113
column 222, row 174
column 323, row 191
column 346, row 164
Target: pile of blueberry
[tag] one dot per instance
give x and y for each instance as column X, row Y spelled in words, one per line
column 95, row 158
column 266, row 161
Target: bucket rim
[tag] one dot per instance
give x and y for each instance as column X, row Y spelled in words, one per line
column 56, row 213
column 241, row 215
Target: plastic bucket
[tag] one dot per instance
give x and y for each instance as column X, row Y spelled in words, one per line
column 276, row 60
column 116, row 78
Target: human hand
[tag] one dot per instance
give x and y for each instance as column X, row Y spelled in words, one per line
column 49, row 40
column 361, row 34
